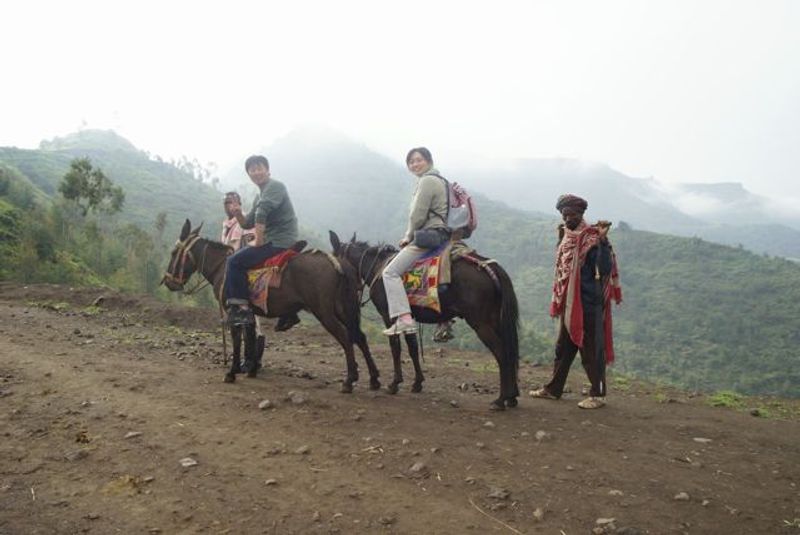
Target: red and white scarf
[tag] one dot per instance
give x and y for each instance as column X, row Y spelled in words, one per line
column 566, row 302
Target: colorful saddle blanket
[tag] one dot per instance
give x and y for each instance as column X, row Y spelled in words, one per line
column 261, row 279
column 423, row 280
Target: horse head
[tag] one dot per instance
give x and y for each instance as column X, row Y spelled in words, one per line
column 182, row 263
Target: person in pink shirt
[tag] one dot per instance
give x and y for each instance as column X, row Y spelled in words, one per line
column 232, row 232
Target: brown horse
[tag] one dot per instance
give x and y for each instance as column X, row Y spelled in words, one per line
column 481, row 292
column 312, row 281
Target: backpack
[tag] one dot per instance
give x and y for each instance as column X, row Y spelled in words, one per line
column 461, row 212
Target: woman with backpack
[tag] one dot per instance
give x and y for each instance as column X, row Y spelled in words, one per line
column 427, row 229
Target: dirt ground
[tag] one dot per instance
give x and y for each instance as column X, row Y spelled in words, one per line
column 99, row 406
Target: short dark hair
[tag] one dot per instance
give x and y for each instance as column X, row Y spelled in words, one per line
column 425, row 153
column 233, row 195
column 254, row 160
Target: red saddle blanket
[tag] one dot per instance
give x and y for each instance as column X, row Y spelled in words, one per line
column 267, row 276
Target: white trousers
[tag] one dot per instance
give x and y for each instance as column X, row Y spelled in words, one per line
column 393, row 282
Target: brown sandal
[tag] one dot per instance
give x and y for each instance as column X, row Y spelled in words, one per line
column 592, row 403
column 542, row 393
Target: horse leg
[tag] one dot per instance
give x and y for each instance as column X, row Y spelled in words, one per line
column 361, row 341
column 339, row 331
column 394, row 344
column 413, row 349
column 261, row 343
column 250, row 365
column 491, row 340
column 236, row 363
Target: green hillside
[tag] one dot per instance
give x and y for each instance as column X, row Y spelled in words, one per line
column 151, row 186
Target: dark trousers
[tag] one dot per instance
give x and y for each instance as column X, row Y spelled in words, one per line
column 593, row 355
column 236, row 291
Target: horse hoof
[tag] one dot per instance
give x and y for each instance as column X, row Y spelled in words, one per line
column 416, row 388
column 230, row 377
column 236, row 370
column 374, row 384
column 252, row 373
column 392, row 388
column 511, row 403
column 497, row 405
column 347, row 388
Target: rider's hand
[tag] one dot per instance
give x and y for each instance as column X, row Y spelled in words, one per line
column 404, row 242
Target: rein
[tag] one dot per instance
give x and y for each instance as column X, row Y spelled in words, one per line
column 363, row 275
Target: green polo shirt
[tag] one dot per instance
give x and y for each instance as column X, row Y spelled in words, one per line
column 274, row 209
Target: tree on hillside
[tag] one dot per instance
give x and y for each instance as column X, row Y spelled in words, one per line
column 90, row 189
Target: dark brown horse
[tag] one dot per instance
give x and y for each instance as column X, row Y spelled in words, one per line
column 480, row 292
column 312, row 281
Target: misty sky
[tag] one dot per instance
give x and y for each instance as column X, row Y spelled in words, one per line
column 679, row 90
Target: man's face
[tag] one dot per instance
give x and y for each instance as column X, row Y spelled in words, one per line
column 572, row 217
column 259, row 173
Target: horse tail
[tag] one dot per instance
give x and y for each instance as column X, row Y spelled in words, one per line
column 509, row 326
column 348, row 288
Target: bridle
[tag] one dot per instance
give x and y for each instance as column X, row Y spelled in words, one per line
column 177, row 273
column 364, row 274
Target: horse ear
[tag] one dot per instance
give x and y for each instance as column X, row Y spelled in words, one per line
column 335, row 243
column 187, row 228
column 353, row 239
column 196, row 231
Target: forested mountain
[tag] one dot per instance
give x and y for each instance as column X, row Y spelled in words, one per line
column 151, row 185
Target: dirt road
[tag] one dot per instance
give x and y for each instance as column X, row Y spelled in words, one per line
column 99, row 406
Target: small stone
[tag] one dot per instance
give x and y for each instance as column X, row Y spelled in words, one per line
column 498, row 493
column 605, row 521
column 538, row 514
column 406, row 442
column 186, row 462
column 271, row 482
column 387, row 520
column 702, row 440
column 418, row 468
column 316, row 516
column 469, row 480
column 296, row 397
column 541, row 435
column 132, row 434
column 92, row 516
column 265, row 404
column 681, row 497
column 570, row 468
column 149, row 479
column 76, row 331
column 488, row 424
column 480, row 445
column 524, row 434
column 755, row 412
column 302, row 450
column 76, row 455
column 454, row 403
column 615, row 492
column 705, row 503
column 597, row 530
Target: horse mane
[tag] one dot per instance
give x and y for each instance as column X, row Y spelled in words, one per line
column 217, row 245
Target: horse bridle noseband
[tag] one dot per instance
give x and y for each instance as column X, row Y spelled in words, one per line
column 184, row 251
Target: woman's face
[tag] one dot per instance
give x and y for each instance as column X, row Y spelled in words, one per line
column 417, row 164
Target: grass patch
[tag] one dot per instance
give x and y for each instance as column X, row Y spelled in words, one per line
column 726, row 398
column 92, row 310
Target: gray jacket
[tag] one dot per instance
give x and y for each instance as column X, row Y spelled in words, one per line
column 429, row 204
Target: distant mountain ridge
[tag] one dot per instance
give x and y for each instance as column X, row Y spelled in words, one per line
column 723, row 212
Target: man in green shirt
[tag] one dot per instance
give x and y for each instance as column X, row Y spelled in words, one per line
column 272, row 216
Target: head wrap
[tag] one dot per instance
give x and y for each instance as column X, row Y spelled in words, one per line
column 571, row 201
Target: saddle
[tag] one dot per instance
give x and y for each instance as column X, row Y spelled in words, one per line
column 268, row 275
